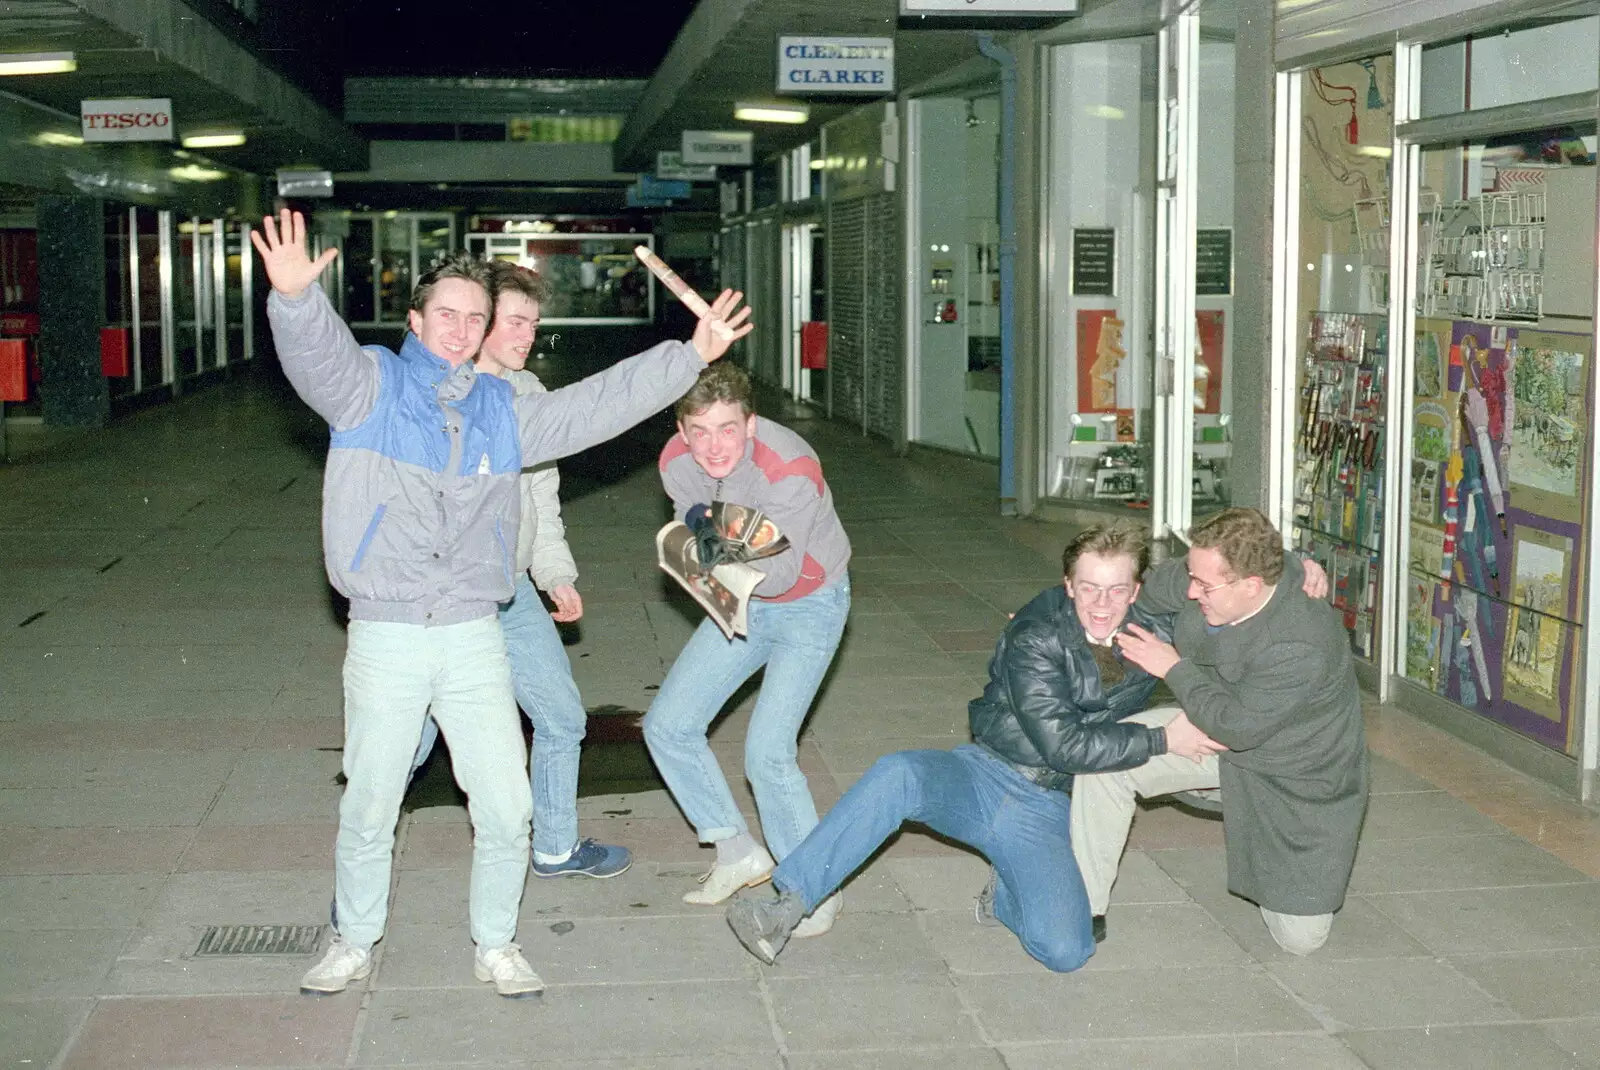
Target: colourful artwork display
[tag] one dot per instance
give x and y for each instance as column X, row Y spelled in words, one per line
column 1501, row 428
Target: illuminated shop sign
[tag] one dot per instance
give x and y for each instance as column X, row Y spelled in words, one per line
column 146, row 119
column 989, row 8
column 824, row 66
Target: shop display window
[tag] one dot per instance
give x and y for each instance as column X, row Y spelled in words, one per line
column 1347, row 126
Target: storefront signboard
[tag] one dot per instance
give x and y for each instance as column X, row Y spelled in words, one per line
column 127, row 119
column 1094, row 261
column 731, row 148
column 833, row 65
column 670, row 165
column 989, row 8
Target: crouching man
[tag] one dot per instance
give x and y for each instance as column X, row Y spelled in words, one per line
column 1054, row 706
column 1264, row 669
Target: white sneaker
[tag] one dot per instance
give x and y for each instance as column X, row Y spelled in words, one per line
column 510, row 972
column 341, row 964
column 721, row 881
column 819, row 920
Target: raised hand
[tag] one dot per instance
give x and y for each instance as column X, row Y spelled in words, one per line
column 283, row 252
column 712, row 343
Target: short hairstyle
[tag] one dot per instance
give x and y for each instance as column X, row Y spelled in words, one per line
column 1107, row 540
column 455, row 266
column 1247, row 541
column 506, row 277
column 722, row 381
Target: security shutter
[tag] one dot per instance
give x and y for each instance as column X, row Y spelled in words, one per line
column 847, row 237
column 883, row 352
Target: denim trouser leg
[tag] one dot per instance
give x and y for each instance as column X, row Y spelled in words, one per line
column 796, row 641
column 392, row 673
column 971, row 797
column 541, row 676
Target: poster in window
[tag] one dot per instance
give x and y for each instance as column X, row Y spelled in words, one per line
column 1100, row 355
column 1548, row 375
column 1534, row 649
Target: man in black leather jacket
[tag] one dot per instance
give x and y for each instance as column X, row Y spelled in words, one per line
column 1053, row 707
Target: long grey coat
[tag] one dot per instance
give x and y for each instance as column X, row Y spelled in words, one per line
column 1279, row 690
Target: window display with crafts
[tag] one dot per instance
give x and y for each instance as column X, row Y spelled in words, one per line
column 1501, row 425
column 1347, row 122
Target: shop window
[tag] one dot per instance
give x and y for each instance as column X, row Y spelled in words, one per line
column 1347, row 125
column 1502, row 424
column 1511, row 67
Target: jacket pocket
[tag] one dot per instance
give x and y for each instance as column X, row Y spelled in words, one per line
column 366, row 538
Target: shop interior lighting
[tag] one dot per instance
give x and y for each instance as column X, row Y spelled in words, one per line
column 224, row 140
column 772, row 113
column 37, row 63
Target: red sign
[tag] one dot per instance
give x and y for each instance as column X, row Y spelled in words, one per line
column 19, row 324
column 115, row 352
column 13, row 370
column 814, row 345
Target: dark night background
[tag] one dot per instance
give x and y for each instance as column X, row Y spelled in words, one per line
column 318, row 45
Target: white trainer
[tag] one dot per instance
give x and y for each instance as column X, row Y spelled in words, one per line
column 510, row 972
column 341, row 964
column 721, row 881
column 819, row 920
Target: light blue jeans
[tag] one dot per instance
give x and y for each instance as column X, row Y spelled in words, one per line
column 796, row 642
column 541, row 678
column 968, row 795
column 394, row 674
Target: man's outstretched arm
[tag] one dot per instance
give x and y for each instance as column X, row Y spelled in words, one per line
column 319, row 354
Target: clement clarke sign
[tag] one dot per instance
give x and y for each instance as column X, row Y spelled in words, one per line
column 144, row 119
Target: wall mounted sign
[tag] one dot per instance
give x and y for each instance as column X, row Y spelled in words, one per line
column 989, row 8
column 293, row 183
column 731, row 148
column 670, row 165
column 831, row 65
column 127, row 119
column 1213, row 261
column 1094, row 261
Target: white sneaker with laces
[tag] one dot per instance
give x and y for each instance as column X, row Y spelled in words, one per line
column 721, row 881
column 510, row 972
column 819, row 920
column 341, row 964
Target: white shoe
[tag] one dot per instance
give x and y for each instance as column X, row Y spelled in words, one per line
column 721, row 881
column 819, row 920
column 510, row 972
column 341, row 964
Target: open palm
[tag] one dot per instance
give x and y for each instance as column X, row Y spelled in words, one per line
column 282, row 245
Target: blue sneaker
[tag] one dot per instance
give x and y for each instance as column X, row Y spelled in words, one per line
column 589, row 859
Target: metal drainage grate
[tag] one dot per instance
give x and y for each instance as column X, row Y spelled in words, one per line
column 260, row 940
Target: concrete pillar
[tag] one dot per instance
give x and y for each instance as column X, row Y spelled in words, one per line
column 1031, row 347
column 1253, row 184
column 72, row 269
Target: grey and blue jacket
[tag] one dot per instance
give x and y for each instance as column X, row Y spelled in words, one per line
column 420, row 509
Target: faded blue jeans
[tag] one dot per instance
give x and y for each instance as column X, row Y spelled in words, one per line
column 968, row 795
column 541, row 677
column 393, row 675
column 796, row 642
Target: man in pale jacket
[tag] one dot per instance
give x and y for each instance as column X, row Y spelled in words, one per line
column 541, row 674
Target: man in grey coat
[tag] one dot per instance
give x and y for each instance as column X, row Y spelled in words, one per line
column 1265, row 670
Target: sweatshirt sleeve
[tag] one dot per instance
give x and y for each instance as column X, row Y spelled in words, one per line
column 552, row 558
column 1035, row 679
column 795, row 505
column 327, row 368
column 589, row 412
column 1165, row 588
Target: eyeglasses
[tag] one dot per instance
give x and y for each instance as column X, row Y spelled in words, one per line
column 1204, row 589
column 1093, row 592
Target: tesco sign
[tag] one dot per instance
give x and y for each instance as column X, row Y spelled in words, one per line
column 823, row 66
column 141, row 119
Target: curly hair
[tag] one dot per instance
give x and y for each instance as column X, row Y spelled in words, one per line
column 722, row 381
column 1109, row 540
column 1247, row 541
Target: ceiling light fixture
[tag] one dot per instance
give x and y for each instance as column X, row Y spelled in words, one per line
column 214, row 141
column 37, row 63
column 193, row 172
column 772, row 113
column 58, row 139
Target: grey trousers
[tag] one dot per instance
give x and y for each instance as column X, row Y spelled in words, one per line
column 1102, row 815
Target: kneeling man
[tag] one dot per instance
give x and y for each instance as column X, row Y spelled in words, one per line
column 1265, row 670
column 1054, row 706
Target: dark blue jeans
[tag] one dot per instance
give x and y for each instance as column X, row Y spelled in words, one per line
column 971, row 796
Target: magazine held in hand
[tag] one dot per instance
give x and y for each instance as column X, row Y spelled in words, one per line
column 724, row 588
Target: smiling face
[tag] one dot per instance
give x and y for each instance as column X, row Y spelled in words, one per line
column 1224, row 597
column 508, row 343
column 1102, row 586
column 716, row 436
column 453, row 321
